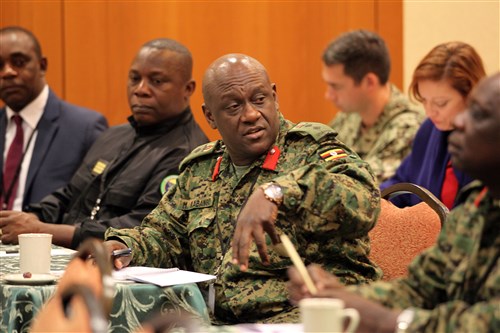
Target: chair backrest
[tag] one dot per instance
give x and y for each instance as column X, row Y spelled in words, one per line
column 83, row 298
column 402, row 233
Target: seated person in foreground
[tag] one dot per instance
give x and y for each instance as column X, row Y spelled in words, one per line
column 375, row 118
column 266, row 175
column 454, row 286
column 442, row 81
column 120, row 179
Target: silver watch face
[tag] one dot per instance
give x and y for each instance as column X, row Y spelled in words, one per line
column 274, row 191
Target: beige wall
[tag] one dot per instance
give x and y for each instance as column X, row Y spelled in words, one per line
column 428, row 23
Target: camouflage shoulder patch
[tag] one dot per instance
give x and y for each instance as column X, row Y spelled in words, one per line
column 167, row 183
column 206, row 149
column 316, row 130
column 333, row 154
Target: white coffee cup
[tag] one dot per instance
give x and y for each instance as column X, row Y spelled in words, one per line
column 327, row 315
column 34, row 253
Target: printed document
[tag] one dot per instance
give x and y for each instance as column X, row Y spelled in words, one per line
column 162, row 277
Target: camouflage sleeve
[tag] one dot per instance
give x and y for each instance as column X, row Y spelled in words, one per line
column 393, row 145
column 160, row 240
column 458, row 317
column 330, row 193
column 426, row 291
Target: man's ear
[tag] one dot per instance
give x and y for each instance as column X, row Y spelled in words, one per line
column 190, row 88
column 209, row 116
column 371, row 80
column 44, row 64
column 275, row 96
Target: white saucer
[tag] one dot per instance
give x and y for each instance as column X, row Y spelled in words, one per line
column 35, row 279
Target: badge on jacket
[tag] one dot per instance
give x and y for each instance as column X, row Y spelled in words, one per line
column 99, row 167
column 167, row 183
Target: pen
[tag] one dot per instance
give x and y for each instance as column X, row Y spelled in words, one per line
column 121, row 253
column 297, row 262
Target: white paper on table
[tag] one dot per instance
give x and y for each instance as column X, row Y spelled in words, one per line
column 54, row 252
column 162, row 277
column 4, row 254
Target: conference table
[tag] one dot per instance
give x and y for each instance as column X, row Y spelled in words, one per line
column 133, row 302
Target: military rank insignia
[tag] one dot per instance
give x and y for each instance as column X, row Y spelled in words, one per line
column 99, row 167
column 167, row 183
column 333, row 154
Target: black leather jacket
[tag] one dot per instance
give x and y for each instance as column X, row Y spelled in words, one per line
column 135, row 161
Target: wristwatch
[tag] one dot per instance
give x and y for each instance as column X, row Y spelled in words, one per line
column 404, row 320
column 273, row 192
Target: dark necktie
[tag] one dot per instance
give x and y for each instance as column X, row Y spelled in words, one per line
column 450, row 187
column 12, row 165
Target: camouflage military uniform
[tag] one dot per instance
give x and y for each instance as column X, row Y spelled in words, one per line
column 456, row 284
column 388, row 141
column 330, row 203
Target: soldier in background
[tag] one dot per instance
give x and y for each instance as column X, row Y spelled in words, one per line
column 294, row 179
column 454, row 286
column 375, row 118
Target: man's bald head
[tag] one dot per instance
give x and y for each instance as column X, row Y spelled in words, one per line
column 227, row 65
column 241, row 103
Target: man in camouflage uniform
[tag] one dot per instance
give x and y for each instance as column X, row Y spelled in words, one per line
column 455, row 285
column 322, row 195
column 376, row 119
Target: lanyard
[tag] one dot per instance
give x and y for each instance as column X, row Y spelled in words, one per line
column 117, row 163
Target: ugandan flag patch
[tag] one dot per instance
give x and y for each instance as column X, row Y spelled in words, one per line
column 333, row 154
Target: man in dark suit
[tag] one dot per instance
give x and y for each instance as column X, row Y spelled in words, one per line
column 55, row 135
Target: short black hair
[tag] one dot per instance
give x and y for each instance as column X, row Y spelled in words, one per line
column 36, row 43
column 361, row 52
column 174, row 46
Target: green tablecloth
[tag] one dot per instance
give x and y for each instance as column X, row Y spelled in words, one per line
column 133, row 302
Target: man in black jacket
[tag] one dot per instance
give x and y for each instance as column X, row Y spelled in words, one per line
column 125, row 173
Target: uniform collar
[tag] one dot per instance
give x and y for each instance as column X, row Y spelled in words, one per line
column 268, row 161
